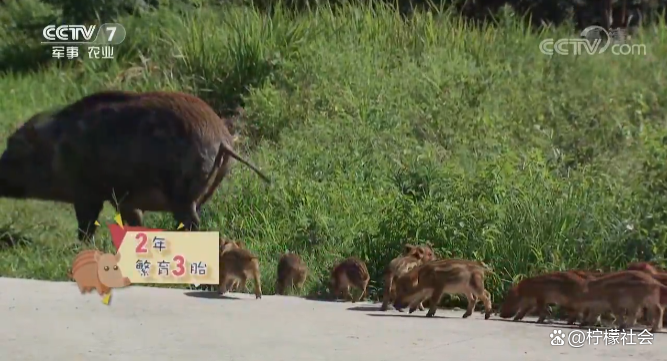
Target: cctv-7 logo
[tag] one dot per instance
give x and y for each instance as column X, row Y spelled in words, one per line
column 112, row 31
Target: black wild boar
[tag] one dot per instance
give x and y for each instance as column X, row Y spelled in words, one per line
column 154, row 151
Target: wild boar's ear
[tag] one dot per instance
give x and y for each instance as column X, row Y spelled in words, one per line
column 408, row 248
column 97, row 255
column 239, row 244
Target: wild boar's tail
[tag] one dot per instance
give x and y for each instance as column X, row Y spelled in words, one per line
column 224, row 149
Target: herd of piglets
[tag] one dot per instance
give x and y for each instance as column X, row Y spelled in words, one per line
column 416, row 276
column 637, row 293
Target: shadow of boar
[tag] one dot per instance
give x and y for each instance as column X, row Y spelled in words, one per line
column 153, row 151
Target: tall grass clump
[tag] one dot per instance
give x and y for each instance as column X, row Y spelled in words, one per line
column 379, row 131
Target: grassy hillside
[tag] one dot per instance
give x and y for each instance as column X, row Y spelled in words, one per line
column 379, row 132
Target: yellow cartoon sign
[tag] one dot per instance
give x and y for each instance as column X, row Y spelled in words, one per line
column 146, row 255
column 170, row 257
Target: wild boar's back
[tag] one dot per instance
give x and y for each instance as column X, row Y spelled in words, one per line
column 139, row 143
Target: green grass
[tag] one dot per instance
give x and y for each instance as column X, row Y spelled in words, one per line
column 379, row 132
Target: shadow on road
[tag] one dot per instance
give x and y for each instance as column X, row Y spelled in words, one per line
column 369, row 308
column 406, row 315
column 560, row 325
column 210, row 295
column 552, row 324
column 508, row 320
column 320, row 298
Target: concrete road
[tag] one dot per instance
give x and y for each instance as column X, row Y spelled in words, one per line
column 53, row 321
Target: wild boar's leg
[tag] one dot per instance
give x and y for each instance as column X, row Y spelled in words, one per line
column 523, row 311
column 222, row 287
column 656, row 313
column 132, row 217
column 347, row 294
column 364, row 292
column 87, row 212
column 279, row 287
column 542, row 310
column 387, row 296
column 258, row 283
column 187, row 214
column 631, row 317
column 472, row 302
column 221, row 173
column 436, row 296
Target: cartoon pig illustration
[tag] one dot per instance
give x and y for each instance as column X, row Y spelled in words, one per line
column 93, row 269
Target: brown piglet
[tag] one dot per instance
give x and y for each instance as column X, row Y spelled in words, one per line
column 226, row 245
column 411, row 257
column 624, row 291
column 434, row 279
column 350, row 272
column 539, row 291
column 426, row 253
column 574, row 315
column 652, row 270
column 644, row 267
column 239, row 264
column 292, row 272
column 658, row 274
